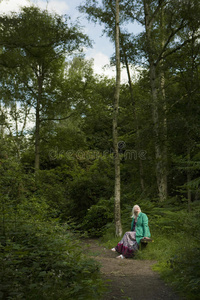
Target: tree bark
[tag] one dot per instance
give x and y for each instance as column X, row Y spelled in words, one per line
column 189, row 109
column 37, row 137
column 118, row 226
column 164, row 108
column 189, row 178
column 160, row 166
column 37, row 123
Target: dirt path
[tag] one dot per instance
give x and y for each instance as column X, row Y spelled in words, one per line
column 128, row 278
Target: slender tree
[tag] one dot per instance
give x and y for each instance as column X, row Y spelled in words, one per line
column 109, row 15
column 118, row 226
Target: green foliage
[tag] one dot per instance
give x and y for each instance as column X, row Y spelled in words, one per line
column 43, row 260
column 97, row 217
column 73, row 184
column 89, row 185
column 178, row 262
column 176, row 247
column 186, row 271
column 38, row 257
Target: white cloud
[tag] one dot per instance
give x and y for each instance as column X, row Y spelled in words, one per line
column 58, row 6
column 102, row 66
column 7, row 6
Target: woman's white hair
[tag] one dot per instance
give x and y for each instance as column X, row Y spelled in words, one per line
column 135, row 208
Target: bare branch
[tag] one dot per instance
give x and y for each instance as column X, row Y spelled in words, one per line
column 57, row 119
column 173, row 33
column 179, row 100
column 177, row 48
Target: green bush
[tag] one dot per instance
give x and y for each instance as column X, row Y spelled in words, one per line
column 41, row 260
column 176, row 248
column 97, row 218
column 186, row 271
column 93, row 182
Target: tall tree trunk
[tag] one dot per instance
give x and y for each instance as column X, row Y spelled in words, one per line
column 37, row 137
column 16, row 138
column 189, row 178
column 141, row 168
column 37, row 125
column 164, row 135
column 189, row 110
column 118, row 226
column 1, row 121
column 164, row 108
column 160, row 168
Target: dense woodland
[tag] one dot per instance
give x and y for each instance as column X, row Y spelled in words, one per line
column 57, row 156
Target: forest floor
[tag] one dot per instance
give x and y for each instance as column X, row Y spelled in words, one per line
column 128, row 279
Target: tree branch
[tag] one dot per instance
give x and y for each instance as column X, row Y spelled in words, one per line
column 179, row 100
column 155, row 12
column 27, row 111
column 173, row 33
column 57, row 119
column 177, row 48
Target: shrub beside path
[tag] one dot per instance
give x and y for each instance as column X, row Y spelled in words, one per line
column 128, row 279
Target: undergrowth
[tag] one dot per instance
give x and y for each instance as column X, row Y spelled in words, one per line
column 175, row 249
column 43, row 260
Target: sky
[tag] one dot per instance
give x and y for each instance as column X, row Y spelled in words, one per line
column 102, row 47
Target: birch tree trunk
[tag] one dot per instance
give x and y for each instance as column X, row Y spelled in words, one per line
column 189, row 178
column 160, row 168
column 189, row 109
column 164, row 107
column 37, row 122
column 118, row 226
column 37, row 136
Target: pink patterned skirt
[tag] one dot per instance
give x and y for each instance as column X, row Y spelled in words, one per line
column 128, row 245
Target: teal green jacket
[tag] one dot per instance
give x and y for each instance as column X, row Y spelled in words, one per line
column 142, row 227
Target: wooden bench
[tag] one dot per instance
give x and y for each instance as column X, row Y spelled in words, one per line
column 144, row 242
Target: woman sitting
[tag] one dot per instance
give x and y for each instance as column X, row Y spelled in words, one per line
column 131, row 239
